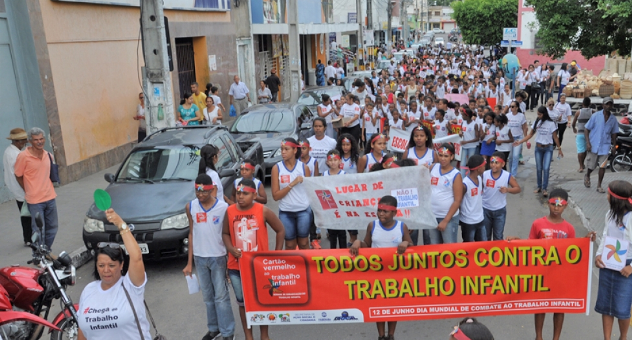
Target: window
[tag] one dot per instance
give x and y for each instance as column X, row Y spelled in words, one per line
column 162, row 163
column 231, row 148
column 438, row 13
column 223, row 158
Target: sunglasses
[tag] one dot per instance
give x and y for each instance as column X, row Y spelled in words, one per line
column 112, row 245
column 513, row 106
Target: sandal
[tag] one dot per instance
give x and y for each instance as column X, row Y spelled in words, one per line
column 536, row 191
column 580, row 170
column 521, row 162
column 586, row 181
column 544, row 193
column 600, row 190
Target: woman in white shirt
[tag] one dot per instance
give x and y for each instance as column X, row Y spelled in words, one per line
column 350, row 113
column 562, row 121
column 518, row 125
column 329, row 112
column 114, row 289
column 544, row 129
column 263, row 93
column 212, row 113
column 563, row 78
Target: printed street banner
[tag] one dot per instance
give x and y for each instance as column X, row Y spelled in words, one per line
column 454, row 139
column 457, row 98
column 398, row 140
column 350, row 201
column 426, row 282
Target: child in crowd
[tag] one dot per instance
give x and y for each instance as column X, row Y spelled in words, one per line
column 488, row 146
column 385, row 232
column 247, row 171
column 471, row 329
column 447, row 193
column 348, row 149
column 441, row 125
column 370, row 121
column 420, row 147
column 470, row 137
column 614, row 296
column 504, row 139
column 387, row 162
column 414, row 116
column 373, row 152
column 496, row 184
column 334, row 164
column 471, row 211
column 245, row 230
column 396, row 122
column 308, row 160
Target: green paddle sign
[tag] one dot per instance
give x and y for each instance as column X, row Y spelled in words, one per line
column 102, row 199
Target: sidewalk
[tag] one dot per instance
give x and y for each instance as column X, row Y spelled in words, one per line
column 73, row 200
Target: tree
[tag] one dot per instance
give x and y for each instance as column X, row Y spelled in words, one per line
column 594, row 27
column 482, row 21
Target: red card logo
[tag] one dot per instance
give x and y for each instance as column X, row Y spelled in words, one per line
column 200, row 217
column 437, row 127
column 434, row 180
column 497, row 134
column 341, row 166
column 474, row 191
column 490, row 183
column 285, row 179
column 464, row 129
column 326, row 199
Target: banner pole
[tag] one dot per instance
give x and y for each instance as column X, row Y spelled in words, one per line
column 590, row 263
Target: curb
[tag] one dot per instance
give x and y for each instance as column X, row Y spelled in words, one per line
column 80, row 257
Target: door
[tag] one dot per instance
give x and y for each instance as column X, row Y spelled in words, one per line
column 11, row 108
column 186, row 64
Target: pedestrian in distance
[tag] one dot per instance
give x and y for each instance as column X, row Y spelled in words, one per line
column 274, row 84
column 497, row 183
column 216, row 99
column 385, row 232
column 140, row 117
column 565, row 112
column 552, row 226
column 600, row 133
column 206, row 248
column 212, row 113
column 33, row 171
column 328, row 111
column 188, row 113
column 579, row 121
column 208, row 158
column 199, row 98
column 264, row 95
column 614, row 296
column 18, row 140
column 239, row 97
column 320, row 73
column 119, row 290
column 245, row 230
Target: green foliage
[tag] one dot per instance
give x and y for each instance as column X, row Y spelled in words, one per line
column 482, row 21
column 594, row 27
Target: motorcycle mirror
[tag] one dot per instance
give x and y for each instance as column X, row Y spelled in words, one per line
column 39, row 220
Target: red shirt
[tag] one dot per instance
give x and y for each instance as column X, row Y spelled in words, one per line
column 543, row 228
column 248, row 231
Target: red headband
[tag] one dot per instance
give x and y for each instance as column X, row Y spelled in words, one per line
column 558, row 201
column 247, row 166
column 629, row 199
column 386, row 207
column 388, row 161
column 202, row 187
column 496, row 159
column 444, row 150
column 243, row 188
column 459, row 335
column 290, row 144
column 333, row 156
column 346, row 140
column 394, row 166
column 378, row 136
column 304, row 143
column 468, row 170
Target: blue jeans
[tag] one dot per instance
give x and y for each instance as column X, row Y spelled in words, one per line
column 465, row 155
column 211, row 272
column 48, row 210
column 235, row 281
column 495, row 223
column 449, row 235
column 543, row 157
column 296, row 223
column 515, row 156
column 473, row 232
column 559, row 92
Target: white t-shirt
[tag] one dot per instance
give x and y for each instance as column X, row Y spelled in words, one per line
column 330, row 71
column 369, row 127
column 320, row 149
column 515, row 123
column 107, row 314
column 565, row 112
column 296, row 200
column 442, row 185
column 544, row 132
column 441, row 128
column 349, row 166
column 565, row 77
column 210, row 115
column 413, row 116
column 397, row 125
column 469, row 133
column 493, row 199
column 140, row 111
column 325, row 109
column 218, row 182
column 207, row 228
column 349, row 111
column 472, row 204
column 216, row 99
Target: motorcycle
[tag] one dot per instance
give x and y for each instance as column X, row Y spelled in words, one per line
column 621, row 154
column 32, row 291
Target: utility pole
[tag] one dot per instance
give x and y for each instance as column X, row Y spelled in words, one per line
column 389, row 28
column 369, row 13
column 156, row 75
column 294, row 41
column 360, row 44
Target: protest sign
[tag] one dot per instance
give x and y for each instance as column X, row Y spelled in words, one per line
column 350, row 201
column 427, row 282
column 454, row 139
column 398, row 140
column 430, row 126
column 457, row 98
column 491, row 102
column 614, row 253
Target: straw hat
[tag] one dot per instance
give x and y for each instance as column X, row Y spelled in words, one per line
column 17, row 134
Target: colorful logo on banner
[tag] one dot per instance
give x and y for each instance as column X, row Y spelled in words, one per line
column 426, row 282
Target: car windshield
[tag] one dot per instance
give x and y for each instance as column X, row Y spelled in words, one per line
column 161, row 163
column 439, row 39
column 312, row 97
column 263, row 121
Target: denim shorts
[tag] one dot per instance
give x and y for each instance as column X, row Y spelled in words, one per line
column 235, row 281
column 296, row 223
column 614, row 297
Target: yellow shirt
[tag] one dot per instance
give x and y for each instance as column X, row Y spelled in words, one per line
column 200, row 101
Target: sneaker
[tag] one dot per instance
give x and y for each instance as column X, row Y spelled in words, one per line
column 27, row 244
column 316, row 244
column 211, row 336
column 230, row 337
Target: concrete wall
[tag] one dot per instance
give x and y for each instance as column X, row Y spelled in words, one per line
column 310, row 11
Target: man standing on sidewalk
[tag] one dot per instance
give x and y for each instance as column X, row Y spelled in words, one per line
column 239, row 95
column 601, row 134
column 17, row 137
column 274, row 83
column 32, row 170
column 199, row 98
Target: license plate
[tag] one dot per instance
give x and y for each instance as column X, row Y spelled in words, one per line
column 144, row 248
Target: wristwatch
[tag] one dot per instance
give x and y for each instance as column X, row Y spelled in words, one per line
column 124, row 227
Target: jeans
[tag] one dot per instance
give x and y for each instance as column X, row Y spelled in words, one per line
column 211, row 272
column 559, row 92
column 495, row 223
column 515, row 156
column 235, row 281
column 465, row 155
column 296, row 223
column 26, row 224
column 48, row 210
column 337, row 239
column 473, row 232
column 561, row 128
column 275, row 95
column 449, row 235
column 543, row 157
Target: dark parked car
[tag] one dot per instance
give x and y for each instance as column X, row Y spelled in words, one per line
column 155, row 182
column 312, row 94
column 270, row 124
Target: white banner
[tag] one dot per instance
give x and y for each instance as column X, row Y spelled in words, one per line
column 350, row 201
column 454, row 139
column 398, row 141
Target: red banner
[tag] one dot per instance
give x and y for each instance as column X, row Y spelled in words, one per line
column 426, row 282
